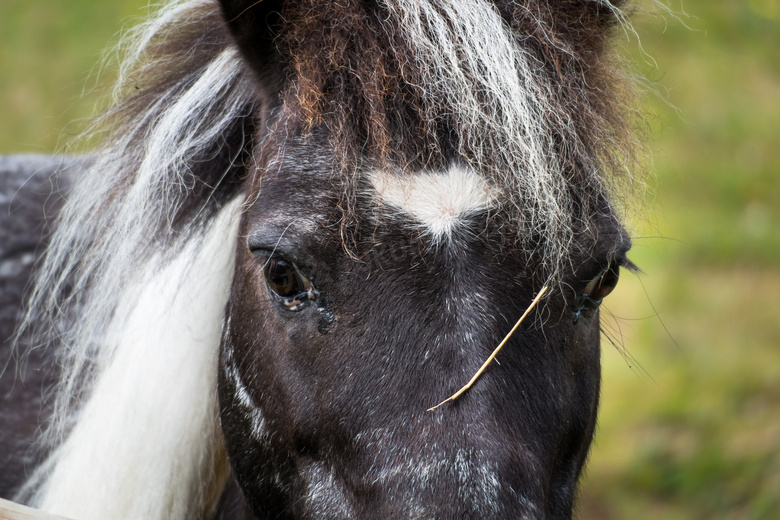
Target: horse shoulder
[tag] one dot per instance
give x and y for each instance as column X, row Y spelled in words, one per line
column 32, row 189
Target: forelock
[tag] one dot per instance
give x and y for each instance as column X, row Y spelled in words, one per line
column 520, row 94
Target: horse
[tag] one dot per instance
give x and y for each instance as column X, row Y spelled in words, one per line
column 307, row 225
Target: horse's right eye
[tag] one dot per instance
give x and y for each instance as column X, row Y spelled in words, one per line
column 286, row 282
column 283, row 278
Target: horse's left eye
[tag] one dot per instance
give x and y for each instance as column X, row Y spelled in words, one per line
column 600, row 287
column 285, row 281
column 597, row 289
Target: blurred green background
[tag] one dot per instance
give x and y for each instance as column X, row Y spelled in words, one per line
column 690, row 419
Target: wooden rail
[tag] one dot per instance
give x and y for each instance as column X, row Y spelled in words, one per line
column 13, row 511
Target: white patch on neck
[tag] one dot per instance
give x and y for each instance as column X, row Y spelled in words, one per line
column 437, row 201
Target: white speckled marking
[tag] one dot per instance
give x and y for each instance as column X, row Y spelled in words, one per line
column 252, row 412
column 437, row 201
column 14, row 266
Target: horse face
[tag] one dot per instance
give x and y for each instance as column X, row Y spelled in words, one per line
column 332, row 356
column 360, row 301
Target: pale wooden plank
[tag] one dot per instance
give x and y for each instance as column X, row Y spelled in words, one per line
column 13, row 511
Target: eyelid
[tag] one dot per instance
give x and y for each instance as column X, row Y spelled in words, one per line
column 619, row 259
column 265, row 254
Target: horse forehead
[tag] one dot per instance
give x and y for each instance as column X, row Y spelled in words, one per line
column 436, row 202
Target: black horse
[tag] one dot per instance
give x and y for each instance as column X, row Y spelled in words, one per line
column 310, row 223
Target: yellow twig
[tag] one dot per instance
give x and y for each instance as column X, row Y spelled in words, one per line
column 495, row 352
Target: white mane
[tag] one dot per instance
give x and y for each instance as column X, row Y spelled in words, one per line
column 134, row 306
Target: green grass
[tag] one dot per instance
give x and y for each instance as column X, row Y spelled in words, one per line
column 690, row 420
column 49, row 51
column 695, row 432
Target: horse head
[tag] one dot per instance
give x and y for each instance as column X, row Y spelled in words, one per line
column 311, row 224
column 386, row 247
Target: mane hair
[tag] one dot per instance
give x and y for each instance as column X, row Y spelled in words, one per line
column 526, row 94
column 522, row 93
column 132, row 289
